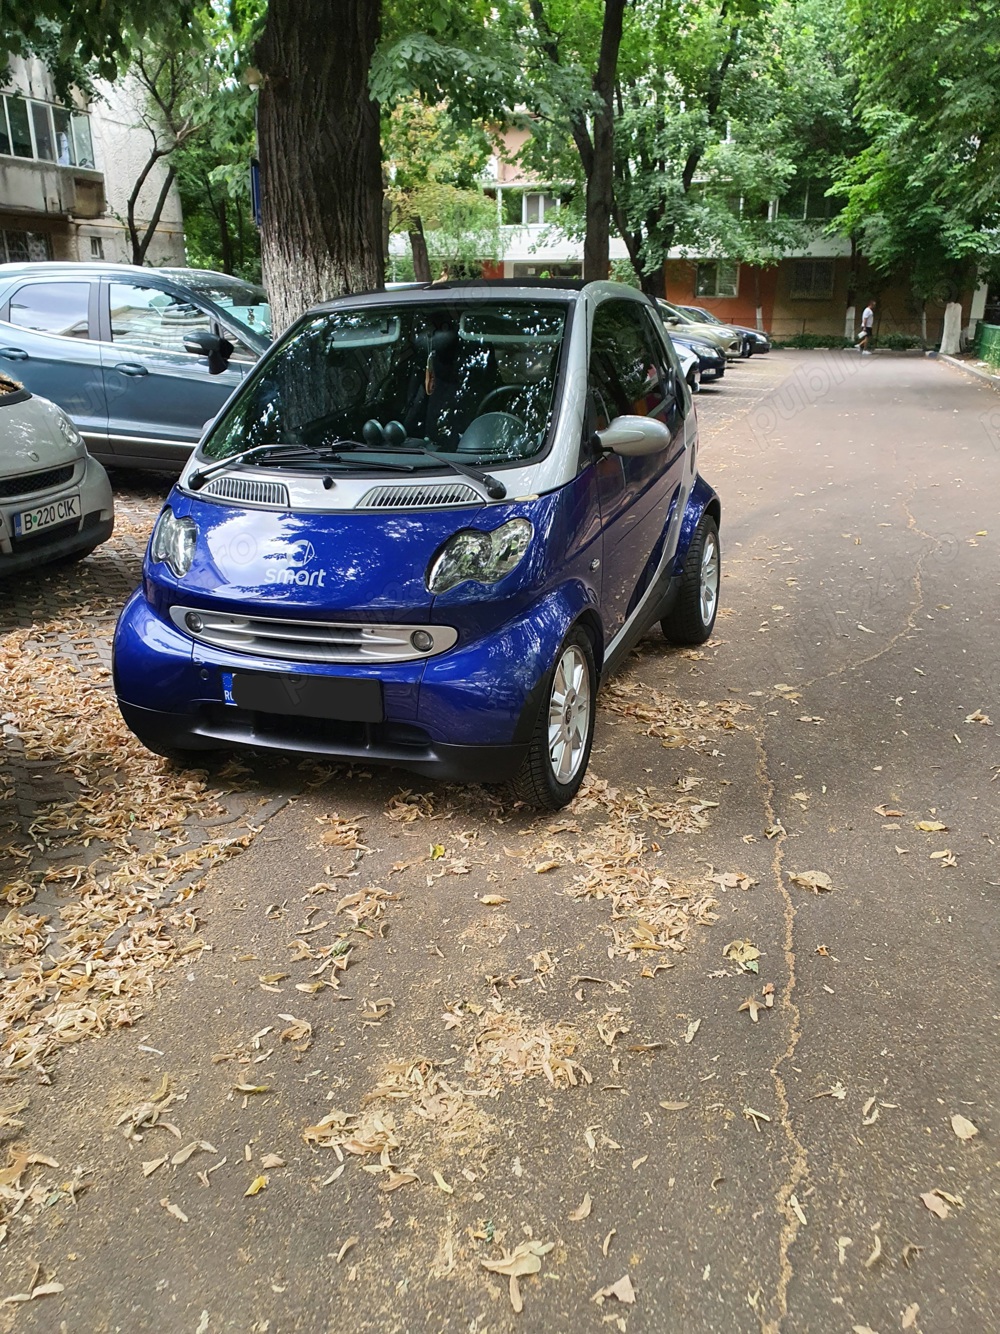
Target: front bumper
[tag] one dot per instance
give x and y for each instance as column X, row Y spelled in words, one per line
column 95, row 525
column 465, row 715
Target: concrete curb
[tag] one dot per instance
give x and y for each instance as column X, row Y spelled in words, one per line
column 992, row 380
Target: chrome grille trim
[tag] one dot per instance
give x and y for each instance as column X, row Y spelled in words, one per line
column 311, row 641
column 250, row 489
column 431, row 495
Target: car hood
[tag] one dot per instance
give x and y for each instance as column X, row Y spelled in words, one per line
column 30, row 436
column 713, row 332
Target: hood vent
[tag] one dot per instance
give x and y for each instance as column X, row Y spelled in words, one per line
column 249, row 489
column 436, row 495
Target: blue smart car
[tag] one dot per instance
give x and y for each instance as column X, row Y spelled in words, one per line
column 421, row 534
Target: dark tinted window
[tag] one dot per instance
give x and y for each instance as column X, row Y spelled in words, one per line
column 55, row 308
column 629, row 371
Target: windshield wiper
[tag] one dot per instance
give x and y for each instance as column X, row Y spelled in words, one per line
column 494, row 488
column 291, row 452
column 198, row 479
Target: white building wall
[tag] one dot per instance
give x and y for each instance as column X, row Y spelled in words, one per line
column 121, row 147
column 122, row 144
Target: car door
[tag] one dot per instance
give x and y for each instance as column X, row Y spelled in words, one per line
column 159, row 395
column 632, row 373
column 48, row 343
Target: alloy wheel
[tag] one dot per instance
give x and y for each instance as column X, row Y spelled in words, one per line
column 569, row 713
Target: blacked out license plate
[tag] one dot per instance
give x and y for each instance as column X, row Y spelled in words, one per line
column 343, row 699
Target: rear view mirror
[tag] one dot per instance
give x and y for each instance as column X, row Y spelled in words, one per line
column 634, row 436
column 218, row 350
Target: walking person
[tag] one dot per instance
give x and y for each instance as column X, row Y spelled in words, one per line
column 867, row 328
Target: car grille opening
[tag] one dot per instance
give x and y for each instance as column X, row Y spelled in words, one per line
column 11, row 488
column 313, row 641
column 249, row 489
column 432, row 496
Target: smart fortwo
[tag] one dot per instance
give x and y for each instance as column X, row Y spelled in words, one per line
column 421, row 534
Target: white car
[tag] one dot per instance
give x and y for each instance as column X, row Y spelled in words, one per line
column 55, row 500
column 690, row 366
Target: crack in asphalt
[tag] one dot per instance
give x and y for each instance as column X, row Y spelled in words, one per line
column 799, row 1165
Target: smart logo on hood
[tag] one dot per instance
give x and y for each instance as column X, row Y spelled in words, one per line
column 292, row 570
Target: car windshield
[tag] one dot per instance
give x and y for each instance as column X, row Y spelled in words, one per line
column 246, row 303
column 475, row 378
column 676, row 313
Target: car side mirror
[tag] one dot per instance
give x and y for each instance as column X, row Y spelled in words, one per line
column 633, row 436
column 218, row 350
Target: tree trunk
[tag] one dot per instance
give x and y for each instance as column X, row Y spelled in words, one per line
column 600, row 177
column 923, row 324
column 418, row 245
column 225, row 237
column 320, row 153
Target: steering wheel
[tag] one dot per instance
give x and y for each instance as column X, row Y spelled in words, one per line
column 512, row 389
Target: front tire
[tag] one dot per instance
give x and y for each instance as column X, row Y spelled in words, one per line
column 557, row 758
column 692, row 617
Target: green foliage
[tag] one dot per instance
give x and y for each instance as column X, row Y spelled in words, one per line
column 434, row 165
column 809, row 341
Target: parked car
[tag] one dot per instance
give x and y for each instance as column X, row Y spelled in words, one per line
column 753, row 339
column 139, row 359
column 425, row 529
column 727, row 340
column 55, row 500
column 711, row 362
column 690, row 366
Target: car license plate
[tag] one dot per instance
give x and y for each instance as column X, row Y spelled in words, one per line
column 343, row 699
column 46, row 516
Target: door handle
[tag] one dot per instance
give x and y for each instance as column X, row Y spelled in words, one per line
column 131, row 368
column 13, row 353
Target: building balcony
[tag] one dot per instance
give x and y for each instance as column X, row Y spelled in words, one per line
column 33, row 188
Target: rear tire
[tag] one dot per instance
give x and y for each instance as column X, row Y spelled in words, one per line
column 692, row 618
column 557, row 758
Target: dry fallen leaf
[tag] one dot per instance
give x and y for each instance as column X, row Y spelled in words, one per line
column 622, row 1290
column 692, row 1029
column 581, row 1211
column 351, row 1241
column 743, row 953
column 937, row 1201
column 674, row 1106
column 493, row 900
column 876, row 1252
column 797, row 1209
column 173, row 1209
column 888, row 812
column 542, row 867
column 524, row 1259
column 910, row 1316
column 931, row 827
column 817, row 881
column 607, row 1241
column 256, row 1186
column 441, row 1184
column 271, row 1160
column 963, row 1127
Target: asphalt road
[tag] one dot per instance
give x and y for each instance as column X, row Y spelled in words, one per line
column 521, row 997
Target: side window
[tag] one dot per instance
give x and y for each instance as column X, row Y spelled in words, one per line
column 629, row 371
column 55, row 308
column 146, row 317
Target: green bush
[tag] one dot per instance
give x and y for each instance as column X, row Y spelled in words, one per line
column 808, row 340
column 894, row 342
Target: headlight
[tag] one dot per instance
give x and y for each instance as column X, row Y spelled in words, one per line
column 174, row 542
column 69, row 433
column 483, row 557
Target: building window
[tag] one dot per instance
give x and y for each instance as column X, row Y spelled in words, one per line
column 812, row 279
column 24, row 247
column 807, row 201
column 717, row 277
column 546, row 271
column 528, row 208
column 45, row 132
column 96, row 247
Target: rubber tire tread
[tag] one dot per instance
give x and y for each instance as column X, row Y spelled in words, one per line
column 535, row 784
column 684, row 624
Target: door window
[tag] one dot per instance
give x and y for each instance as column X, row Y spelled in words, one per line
column 55, row 308
column 149, row 318
column 629, row 373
